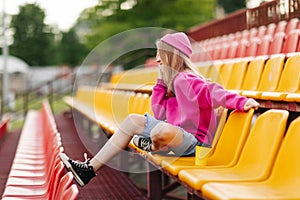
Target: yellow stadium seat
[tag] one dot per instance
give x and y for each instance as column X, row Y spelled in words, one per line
column 293, row 97
column 190, row 160
column 289, row 80
column 257, row 156
column 270, row 76
column 225, row 72
column 227, row 149
column 253, row 74
column 283, row 182
column 141, row 76
column 203, row 68
column 120, row 105
column 214, row 73
column 137, row 103
column 236, row 75
column 86, row 94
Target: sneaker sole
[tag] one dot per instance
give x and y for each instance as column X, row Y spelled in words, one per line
column 64, row 158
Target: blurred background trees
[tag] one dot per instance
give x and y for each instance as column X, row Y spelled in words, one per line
column 41, row 45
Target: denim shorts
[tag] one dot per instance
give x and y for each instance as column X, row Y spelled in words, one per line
column 186, row 148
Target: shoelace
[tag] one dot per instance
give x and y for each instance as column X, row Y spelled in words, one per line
column 81, row 164
column 145, row 144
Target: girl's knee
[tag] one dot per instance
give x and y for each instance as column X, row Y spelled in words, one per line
column 166, row 134
column 136, row 119
column 133, row 124
column 160, row 132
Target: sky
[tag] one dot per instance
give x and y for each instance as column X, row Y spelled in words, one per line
column 62, row 13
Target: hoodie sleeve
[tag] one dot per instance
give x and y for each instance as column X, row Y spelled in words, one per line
column 207, row 95
column 159, row 100
column 222, row 97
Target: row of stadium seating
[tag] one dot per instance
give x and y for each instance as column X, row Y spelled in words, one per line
column 4, row 126
column 275, row 77
column 37, row 172
column 264, row 40
column 238, row 140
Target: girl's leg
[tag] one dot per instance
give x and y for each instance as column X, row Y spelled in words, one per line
column 133, row 124
column 165, row 136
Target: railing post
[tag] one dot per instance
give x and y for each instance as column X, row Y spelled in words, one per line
column 50, row 86
column 25, row 102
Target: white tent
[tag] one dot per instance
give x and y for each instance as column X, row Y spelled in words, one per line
column 14, row 65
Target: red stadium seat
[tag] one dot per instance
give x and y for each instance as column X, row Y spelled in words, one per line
column 263, row 47
column 261, row 31
column 292, row 25
column 277, row 43
column 291, row 41
column 270, row 29
column 253, row 46
column 280, row 27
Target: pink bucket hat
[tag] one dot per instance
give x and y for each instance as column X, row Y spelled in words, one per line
column 179, row 41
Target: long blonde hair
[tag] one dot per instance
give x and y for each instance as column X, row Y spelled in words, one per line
column 174, row 62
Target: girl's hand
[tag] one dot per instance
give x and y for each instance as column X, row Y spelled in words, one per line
column 160, row 73
column 251, row 103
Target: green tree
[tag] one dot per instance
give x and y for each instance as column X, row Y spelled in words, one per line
column 112, row 16
column 232, row 5
column 71, row 51
column 33, row 40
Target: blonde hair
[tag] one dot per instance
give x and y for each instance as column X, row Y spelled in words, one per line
column 175, row 62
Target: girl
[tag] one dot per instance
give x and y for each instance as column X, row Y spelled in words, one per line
column 183, row 104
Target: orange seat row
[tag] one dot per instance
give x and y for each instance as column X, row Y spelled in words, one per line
column 36, row 171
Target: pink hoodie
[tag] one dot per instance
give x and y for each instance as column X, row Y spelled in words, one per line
column 193, row 106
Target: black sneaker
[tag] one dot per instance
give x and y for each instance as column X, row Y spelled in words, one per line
column 82, row 171
column 142, row 142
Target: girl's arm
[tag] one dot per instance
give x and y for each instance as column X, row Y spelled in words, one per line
column 222, row 97
column 207, row 94
column 159, row 100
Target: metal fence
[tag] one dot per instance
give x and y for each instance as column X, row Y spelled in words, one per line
column 266, row 13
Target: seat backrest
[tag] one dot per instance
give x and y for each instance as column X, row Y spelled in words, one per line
column 65, row 182
column 120, row 105
column 263, row 143
column 253, row 46
column 216, row 52
column 204, row 68
column 261, row 31
column 137, row 103
column 224, row 50
column 232, row 139
column 271, row 73
column 290, row 44
column 71, row 193
column 237, row 74
column 292, row 25
column 270, row 29
column 103, row 100
column 214, row 73
column 58, row 174
column 86, row 94
column 254, row 72
column 287, row 164
column 221, row 118
column 242, row 47
column 225, row 72
column 232, row 50
column 253, row 32
column 277, row 43
column 280, row 27
column 263, row 47
column 290, row 77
